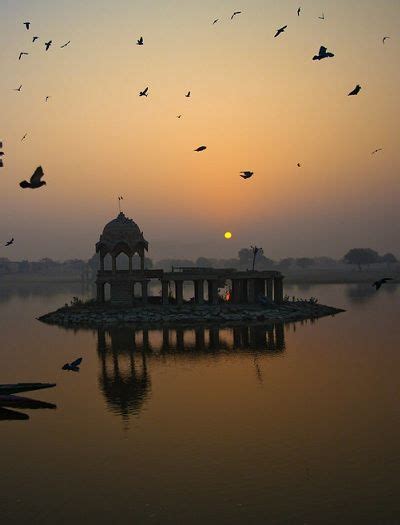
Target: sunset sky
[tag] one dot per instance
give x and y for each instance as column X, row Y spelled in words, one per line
column 258, row 103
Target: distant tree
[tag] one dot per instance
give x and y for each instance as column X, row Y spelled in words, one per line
column 304, row 262
column 389, row 259
column 286, row 263
column 94, row 262
column 325, row 262
column 255, row 250
column 361, row 257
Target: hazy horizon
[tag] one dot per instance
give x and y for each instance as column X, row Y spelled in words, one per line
column 258, row 103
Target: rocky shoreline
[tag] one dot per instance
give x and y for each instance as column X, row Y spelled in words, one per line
column 104, row 316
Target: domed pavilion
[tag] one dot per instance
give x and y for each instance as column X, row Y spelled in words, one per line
column 123, row 235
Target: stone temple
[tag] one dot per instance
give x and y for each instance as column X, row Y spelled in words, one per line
column 123, row 235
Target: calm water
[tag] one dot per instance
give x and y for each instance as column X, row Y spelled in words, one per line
column 296, row 424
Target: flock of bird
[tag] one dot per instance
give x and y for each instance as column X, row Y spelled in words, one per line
column 36, row 179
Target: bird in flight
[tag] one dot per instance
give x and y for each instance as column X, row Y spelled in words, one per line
column 10, row 242
column 47, row 98
column 215, row 21
column 18, row 89
column 178, row 116
column 48, row 44
column 246, row 174
column 385, row 38
column 379, row 283
column 201, row 148
column 140, row 41
column 24, row 137
column 355, row 91
column 298, row 165
column 376, row 151
column 187, row 94
column 322, row 17
column 35, row 38
column 35, row 181
column 65, row 45
column 279, row 31
column 27, row 25
column 323, row 53
column 74, row 366
column 144, row 92
column 298, row 11
column 21, row 54
column 236, row 13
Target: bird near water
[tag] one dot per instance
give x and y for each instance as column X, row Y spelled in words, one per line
column 322, row 17
column 139, row 41
column 19, row 88
column 27, row 25
column 279, row 31
column 34, row 39
column 47, row 98
column 323, row 53
column 376, row 151
column 35, row 181
column 74, row 366
column 298, row 11
column 144, row 93
column 379, row 283
column 235, row 14
column 22, row 54
column 24, row 137
column 48, row 44
column 246, row 174
column 201, row 148
column 10, row 242
column 215, row 21
column 384, row 39
column 66, row 44
column 188, row 94
column 355, row 91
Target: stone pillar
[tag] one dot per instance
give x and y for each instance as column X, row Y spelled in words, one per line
column 180, row 340
column 214, row 337
column 114, row 263
column 236, row 291
column 259, row 288
column 100, row 293
column 130, row 263
column 145, row 291
column 199, row 291
column 270, row 288
column 200, row 338
column 213, row 292
column 278, row 289
column 165, row 343
column 164, row 292
column 142, row 262
column 251, row 291
column 179, row 292
column 146, row 343
column 243, row 291
column 102, row 263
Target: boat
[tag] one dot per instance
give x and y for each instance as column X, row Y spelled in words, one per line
column 16, row 388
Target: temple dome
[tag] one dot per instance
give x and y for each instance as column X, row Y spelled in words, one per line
column 121, row 234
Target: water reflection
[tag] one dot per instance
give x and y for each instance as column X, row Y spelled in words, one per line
column 125, row 354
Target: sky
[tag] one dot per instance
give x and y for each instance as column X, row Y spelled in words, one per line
column 257, row 102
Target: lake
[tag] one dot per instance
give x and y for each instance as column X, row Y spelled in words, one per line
column 294, row 424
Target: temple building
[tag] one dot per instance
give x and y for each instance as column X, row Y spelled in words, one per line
column 123, row 235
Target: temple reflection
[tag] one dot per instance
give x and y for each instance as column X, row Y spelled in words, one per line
column 125, row 355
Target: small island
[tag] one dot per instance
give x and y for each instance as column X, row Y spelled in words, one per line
column 223, row 296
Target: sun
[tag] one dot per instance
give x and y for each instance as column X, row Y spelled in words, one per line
column 228, row 235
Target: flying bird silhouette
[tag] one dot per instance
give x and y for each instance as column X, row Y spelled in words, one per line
column 65, row 45
column 355, row 91
column 188, row 94
column 178, row 116
column 18, row 89
column 21, row 54
column 246, row 174
column 376, row 151
column 35, row 38
column 48, row 44
column 144, row 93
column 322, row 17
column 201, row 148
column 140, row 41
column 379, row 283
column 298, row 165
column 24, row 137
column 215, row 21
column 47, row 98
column 385, row 38
column 323, row 53
column 236, row 13
column 27, row 25
column 298, row 11
column 279, row 31
column 10, row 242
column 74, row 366
column 35, row 181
